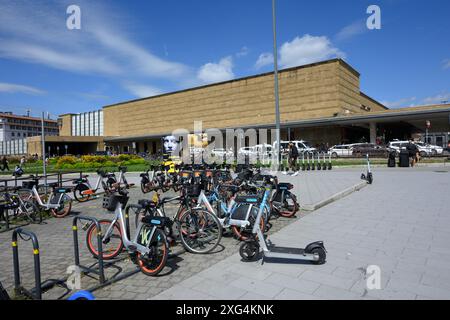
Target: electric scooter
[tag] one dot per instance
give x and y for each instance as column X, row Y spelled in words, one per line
column 368, row 177
column 250, row 249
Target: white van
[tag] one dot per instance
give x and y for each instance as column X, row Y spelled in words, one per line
column 302, row 146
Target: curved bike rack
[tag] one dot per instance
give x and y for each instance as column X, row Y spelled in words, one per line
column 100, row 271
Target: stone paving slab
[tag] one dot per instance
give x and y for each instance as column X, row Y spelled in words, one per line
column 400, row 223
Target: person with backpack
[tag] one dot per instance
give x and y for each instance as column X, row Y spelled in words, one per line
column 413, row 150
column 293, row 155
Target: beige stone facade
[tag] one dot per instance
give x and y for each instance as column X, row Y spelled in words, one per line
column 314, row 91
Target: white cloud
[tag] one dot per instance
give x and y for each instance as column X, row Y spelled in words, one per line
column 405, row 102
column 307, row 49
column 142, row 91
column 36, row 33
column 18, row 88
column 447, row 64
column 58, row 59
column 264, row 59
column 352, row 30
column 217, row 72
column 301, row 51
column 243, row 52
column 437, row 99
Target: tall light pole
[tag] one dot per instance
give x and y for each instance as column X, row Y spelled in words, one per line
column 277, row 104
column 44, row 165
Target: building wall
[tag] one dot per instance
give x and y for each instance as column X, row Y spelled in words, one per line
column 65, row 122
column 314, row 91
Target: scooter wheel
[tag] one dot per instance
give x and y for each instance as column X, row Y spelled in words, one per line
column 249, row 250
column 369, row 178
column 322, row 255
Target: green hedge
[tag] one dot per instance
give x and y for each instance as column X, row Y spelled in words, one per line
column 85, row 162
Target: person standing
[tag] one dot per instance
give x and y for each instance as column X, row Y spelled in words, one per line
column 5, row 164
column 293, row 155
column 412, row 151
column 22, row 161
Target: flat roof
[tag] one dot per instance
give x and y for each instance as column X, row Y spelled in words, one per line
column 7, row 115
column 341, row 61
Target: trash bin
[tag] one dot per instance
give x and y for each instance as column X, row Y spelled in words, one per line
column 391, row 159
column 403, row 159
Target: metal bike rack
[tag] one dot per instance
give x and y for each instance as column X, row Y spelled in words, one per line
column 18, row 289
column 40, row 287
column 100, row 272
column 103, row 281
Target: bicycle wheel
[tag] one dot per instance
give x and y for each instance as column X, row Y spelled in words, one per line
column 244, row 233
column 65, row 205
column 289, row 206
column 112, row 245
column 30, row 209
column 154, row 262
column 78, row 193
column 200, row 231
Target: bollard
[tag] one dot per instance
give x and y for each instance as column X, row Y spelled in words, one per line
column 303, row 161
column 319, row 167
column 324, row 164
column 308, row 166
column 313, row 162
column 329, row 162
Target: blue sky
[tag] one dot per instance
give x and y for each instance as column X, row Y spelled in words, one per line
column 131, row 49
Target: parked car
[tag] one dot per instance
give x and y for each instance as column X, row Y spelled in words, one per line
column 397, row 146
column 222, row 153
column 424, row 148
column 371, row 149
column 341, row 150
column 302, row 146
column 428, row 149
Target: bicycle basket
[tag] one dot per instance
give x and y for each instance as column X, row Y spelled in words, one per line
column 110, row 201
column 28, row 184
column 193, row 190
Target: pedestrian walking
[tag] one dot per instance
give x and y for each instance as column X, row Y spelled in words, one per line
column 22, row 161
column 5, row 164
column 293, row 155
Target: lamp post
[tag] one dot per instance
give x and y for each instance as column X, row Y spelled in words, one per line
column 277, row 105
column 44, row 164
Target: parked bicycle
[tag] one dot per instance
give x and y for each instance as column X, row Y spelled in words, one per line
column 148, row 248
column 58, row 202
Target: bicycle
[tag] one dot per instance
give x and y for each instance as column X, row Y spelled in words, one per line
column 59, row 203
column 22, row 208
column 83, row 190
column 198, row 230
column 148, row 248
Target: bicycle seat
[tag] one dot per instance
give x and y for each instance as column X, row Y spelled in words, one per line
column 144, row 203
column 248, row 199
column 123, row 169
column 229, row 187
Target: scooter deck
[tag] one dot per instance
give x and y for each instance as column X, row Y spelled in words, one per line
column 288, row 250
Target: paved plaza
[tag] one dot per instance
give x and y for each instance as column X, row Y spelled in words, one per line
column 400, row 224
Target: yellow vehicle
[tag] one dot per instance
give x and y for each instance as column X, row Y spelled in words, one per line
column 171, row 162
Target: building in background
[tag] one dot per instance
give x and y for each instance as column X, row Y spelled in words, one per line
column 321, row 103
column 15, row 129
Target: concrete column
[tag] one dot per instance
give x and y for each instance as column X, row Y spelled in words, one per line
column 373, row 132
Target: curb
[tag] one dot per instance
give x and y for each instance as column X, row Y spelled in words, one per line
column 337, row 196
